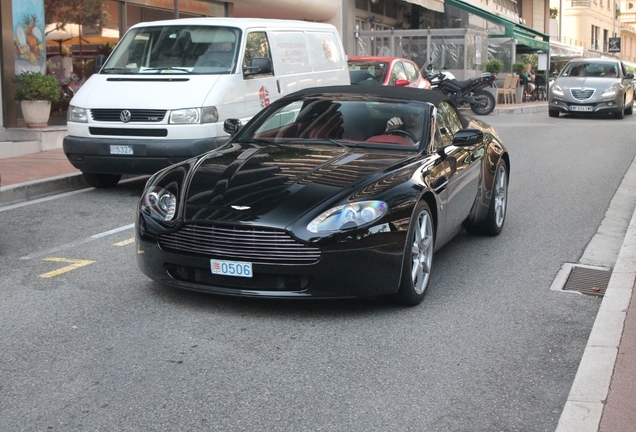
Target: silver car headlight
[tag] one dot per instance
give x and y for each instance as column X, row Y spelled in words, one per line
column 348, row 216
column 194, row 115
column 77, row 114
column 610, row 92
column 556, row 90
column 160, row 203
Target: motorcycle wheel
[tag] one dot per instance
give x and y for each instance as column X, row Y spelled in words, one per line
column 485, row 102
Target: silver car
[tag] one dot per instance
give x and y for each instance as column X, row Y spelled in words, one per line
column 598, row 85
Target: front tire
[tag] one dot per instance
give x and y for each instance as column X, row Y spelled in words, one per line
column 101, row 181
column 418, row 257
column 486, row 102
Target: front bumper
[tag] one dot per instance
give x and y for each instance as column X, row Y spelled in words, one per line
column 365, row 268
column 575, row 106
column 93, row 155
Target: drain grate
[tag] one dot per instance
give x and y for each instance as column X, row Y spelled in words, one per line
column 588, row 281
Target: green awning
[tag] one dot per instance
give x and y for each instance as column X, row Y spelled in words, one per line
column 527, row 39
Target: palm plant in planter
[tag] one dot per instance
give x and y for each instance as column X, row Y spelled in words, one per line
column 36, row 91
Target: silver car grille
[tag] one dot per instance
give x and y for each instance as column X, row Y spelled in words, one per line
column 239, row 243
column 582, row 93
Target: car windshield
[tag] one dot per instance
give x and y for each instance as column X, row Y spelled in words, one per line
column 347, row 121
column 367, row 72
column 177, row 49
column 590, row 69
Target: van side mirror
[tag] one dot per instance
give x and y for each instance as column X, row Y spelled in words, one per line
column 259, row 65
column 232, row 126
column 99, row 62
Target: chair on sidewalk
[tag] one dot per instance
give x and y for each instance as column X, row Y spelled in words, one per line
column 509, row 91
column 540, row 92
column 502, row 92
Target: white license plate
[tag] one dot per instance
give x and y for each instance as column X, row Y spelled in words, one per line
column 580, row 108
column 231, row 268
column 121, row 149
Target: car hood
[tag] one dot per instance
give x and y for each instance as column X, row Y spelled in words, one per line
column 587, row 82
column 275, row 185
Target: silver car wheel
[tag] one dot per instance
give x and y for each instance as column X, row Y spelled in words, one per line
column 422, row 252
column 501, row 195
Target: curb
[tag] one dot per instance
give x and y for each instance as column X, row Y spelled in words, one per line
column 587, row 399
column 14, row 194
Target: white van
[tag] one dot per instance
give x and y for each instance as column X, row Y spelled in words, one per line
column 164, row 92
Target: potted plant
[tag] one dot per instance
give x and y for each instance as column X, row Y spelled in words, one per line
column 494, row 66
column 35, row 91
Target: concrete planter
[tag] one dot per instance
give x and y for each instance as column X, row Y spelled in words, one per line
column 36, row 113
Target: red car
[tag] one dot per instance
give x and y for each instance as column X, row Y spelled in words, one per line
column 388, row 71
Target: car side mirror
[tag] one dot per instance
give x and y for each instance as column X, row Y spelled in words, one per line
column 258, row 65
column 232, row 126
column 402, row 83
column 629, row 76
column 468, row 137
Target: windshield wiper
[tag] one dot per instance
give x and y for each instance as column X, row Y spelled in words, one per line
column 161, row 69
column 118, row 70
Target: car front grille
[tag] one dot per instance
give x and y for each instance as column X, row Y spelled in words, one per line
column 582, row 93
column 136, row 115
column 239, row 243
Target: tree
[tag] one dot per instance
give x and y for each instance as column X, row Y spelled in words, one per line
column 84, row 12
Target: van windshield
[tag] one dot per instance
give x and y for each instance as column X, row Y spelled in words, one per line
column 192, row 49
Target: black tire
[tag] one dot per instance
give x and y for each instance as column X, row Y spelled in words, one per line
column 101, row 181
column 496, row 217
column 418, row 257
column 486, row 102
column 630, row 109
column 553, row 113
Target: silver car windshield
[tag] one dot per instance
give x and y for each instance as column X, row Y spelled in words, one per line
column 192, row 49
column 590, row 69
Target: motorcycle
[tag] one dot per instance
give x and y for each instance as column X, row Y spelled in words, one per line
column 469, row 92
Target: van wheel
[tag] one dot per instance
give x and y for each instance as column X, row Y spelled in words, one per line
column 101, row 181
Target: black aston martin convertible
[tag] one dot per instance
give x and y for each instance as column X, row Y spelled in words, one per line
column 328, row 192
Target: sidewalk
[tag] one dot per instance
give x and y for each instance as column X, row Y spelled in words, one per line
column 603, row 395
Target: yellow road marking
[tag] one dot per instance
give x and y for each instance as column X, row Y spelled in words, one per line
column 76, row 263
column 125, row 242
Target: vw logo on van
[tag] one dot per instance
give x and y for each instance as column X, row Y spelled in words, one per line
column 125, row 116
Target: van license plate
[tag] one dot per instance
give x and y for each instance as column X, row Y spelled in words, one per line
column 580, row 108
column 231, row 268
column 121, row 149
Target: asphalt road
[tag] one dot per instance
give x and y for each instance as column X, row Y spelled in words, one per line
column 89, row 343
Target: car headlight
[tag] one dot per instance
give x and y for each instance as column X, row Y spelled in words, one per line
column 160, row 199
column 76, row 114
column 610, row 92
column 160, row 203
column 194, row 115
column 348, row 216
column 556, row 90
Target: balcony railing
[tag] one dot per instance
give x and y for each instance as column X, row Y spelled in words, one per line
column 581, row 3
